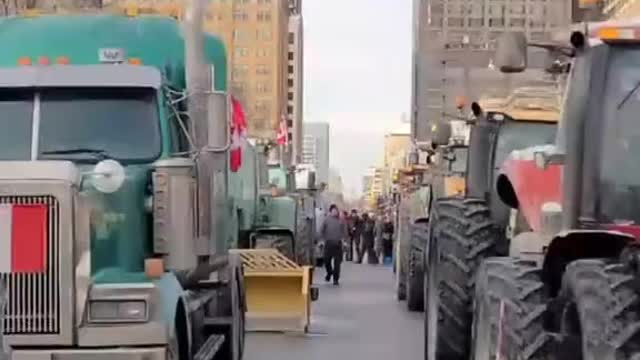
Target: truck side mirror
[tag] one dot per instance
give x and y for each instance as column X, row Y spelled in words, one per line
column 511, row 52
column 441, row 133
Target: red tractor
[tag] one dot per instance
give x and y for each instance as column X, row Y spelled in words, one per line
column 569, row 286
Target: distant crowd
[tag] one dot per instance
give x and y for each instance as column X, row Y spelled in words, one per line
column 354, row 237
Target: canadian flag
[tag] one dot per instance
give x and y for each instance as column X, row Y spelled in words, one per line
column 23, row 238
column 283, row 132
column 238, row 134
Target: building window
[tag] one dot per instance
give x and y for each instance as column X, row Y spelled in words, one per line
column 290, row 82
column 290, row 68
column 290, row 96
column 264, row 16
column 262, row 88
column 291, row 55
column 262, row 52
column 240, row 71
column 241, row 1
column 242, row 51
column 240, row 16
column 262, row 69
column 264, row 1
column 238, row 34
column 263, row 34
column 292, row 38
column 289, row 109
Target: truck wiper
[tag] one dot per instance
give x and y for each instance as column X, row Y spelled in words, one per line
column 628, row 95
column 97, row 153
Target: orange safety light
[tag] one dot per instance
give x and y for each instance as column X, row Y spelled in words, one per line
column 135, row 61
column 25, row 61
column 616, row 33
column 63, row 60
column 43, row 60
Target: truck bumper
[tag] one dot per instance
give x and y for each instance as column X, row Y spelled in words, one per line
column 150, row 353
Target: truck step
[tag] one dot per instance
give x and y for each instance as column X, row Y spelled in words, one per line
column 212, row 284
column 210, row 348
column 218, row 321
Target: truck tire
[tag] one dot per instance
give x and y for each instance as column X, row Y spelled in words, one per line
column 415, row 276
column 510, row 299
column 599, row 306
column 464, row 236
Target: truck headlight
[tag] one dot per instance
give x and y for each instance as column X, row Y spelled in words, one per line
column 112, row 311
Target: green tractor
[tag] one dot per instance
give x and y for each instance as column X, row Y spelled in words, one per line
column 115, row 184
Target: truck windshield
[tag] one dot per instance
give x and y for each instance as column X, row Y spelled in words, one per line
column 79, row 124
column 16, row 111
column 517, row 135
column 619, row 163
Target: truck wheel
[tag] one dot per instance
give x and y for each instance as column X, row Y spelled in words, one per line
column 464, row 235
column 598, row 311
column 509, row 308
column 415, row 275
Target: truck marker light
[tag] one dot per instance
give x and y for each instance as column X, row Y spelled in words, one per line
column 154, row 268
column 43, row 60
column 23, row 238
column 24, row 61
column 135, row 61
column 63, row 60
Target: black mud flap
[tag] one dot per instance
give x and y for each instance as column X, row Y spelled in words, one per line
column 315, row 293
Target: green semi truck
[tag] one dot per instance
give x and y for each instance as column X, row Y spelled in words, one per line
column 115, row 139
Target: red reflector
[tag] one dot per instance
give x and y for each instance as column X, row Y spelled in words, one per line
column 29, row 239
column 63, row 60
column 24, row 61
column 44, row 61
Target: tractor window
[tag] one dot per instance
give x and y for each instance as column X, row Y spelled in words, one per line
column 16, row 111
column 459, row 164
column 517, row 135
column 619, row 186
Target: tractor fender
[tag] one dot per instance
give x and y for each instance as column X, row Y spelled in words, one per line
column 522, row 185
column 572, row 245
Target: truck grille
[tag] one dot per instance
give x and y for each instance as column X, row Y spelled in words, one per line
column 33, row 305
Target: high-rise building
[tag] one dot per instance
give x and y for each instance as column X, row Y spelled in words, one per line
column 315, row 149
column 295, row 73
column 453, row 44
column 255, row 33
column 397, row 144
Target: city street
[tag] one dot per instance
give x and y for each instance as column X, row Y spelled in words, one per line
column 359, row 320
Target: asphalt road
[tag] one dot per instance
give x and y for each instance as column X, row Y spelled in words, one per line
column 358, row 320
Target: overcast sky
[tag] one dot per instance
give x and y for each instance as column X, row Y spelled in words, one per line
column 357, row 76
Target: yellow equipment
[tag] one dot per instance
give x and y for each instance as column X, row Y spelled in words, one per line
column 278, row 291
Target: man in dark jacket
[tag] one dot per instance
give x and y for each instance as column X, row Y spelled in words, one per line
column 356, row 235
column 333, row 231
column 368, row 238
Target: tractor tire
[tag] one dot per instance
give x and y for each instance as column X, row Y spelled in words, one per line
column 281, row 242
column 401, row 272
column 509, row 307
column 599, row 312
column 415, row 276
column 464, row 236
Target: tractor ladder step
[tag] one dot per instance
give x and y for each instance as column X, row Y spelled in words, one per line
column 210, row 348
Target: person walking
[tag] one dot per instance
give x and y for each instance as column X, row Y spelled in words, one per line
column 377, row 245
column 387, row 239
column 333, row 232
column 356, row 235
column 368, row 238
